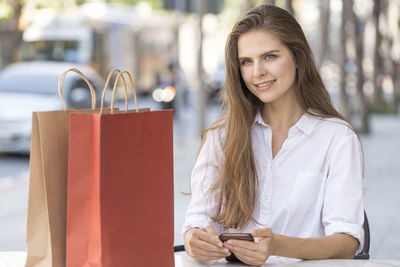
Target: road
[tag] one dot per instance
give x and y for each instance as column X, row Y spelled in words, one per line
column 14, row 172
column 382, row 182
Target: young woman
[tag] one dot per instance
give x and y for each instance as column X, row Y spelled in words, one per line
column 282, row 164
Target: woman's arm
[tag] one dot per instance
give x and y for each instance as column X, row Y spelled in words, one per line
column 205, row 173
column 337, row 246
column 340, row 246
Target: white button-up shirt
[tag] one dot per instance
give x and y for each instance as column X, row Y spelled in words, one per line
column 311, row 188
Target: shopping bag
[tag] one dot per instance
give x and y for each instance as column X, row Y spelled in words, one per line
column 46, row 222
column 120, row 188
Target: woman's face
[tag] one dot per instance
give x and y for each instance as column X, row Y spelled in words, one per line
column 267, row 66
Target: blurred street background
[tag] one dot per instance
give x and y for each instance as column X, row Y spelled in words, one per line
column 175, row 51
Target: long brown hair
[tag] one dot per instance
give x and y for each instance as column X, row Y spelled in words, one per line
column 238, row 184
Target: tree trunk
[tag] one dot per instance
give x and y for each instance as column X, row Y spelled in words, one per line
column 395, row 60
column 247, row 4
column 10, row 36
column 359, row 37
column 200, row 72
column 396, row 82
column 325, row 11
column 344, row 102
column 289, row 7
column 269, row 2
column 377, row 83
column 387, row 61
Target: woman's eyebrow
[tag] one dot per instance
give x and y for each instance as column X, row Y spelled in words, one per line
column 269, row 52
column 262, row 55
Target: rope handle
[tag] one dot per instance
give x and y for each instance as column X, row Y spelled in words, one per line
column 115, row 87
column 61, row 82
column 105, row 89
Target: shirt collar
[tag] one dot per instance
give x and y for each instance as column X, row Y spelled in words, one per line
column 306, row 123
column 259, row 120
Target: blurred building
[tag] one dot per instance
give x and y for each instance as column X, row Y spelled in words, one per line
column 104, row 36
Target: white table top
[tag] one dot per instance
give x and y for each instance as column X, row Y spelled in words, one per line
column 17, row 259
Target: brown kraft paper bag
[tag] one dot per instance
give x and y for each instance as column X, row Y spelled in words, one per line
column 46, row 222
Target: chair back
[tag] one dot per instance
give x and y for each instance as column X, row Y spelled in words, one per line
column 364, row 254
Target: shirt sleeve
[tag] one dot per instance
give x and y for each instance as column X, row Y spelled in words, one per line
column 204, row 175
column 343, row 210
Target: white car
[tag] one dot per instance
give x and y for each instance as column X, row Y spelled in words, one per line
column 33, row 86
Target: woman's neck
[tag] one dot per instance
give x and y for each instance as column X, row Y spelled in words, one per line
column 283, row 115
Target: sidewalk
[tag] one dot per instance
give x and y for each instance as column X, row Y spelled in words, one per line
column 382, row 185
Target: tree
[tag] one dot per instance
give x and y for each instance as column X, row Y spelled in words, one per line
column 246, row 5
column 10, row 35
column 387, row 61
column 325, row 11
column 289, row 7
column 344, row 102
column 377, row 98
column 394, row 57
column 269, row 2
column 358, row 27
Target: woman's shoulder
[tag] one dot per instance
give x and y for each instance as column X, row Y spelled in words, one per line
column 333, row 133
column 215, row 134
column 335, row 126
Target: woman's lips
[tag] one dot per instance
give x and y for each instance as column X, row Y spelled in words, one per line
column 265, row 85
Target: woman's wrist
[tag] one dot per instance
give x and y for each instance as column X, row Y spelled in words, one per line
column 190, row 229
column 287, row 246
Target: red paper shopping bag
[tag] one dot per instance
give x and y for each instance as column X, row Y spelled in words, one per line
column 120, row 189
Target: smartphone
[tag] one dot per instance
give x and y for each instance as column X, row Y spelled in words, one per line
column 239, row 236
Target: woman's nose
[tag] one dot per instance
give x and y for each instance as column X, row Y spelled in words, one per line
column 259, row 70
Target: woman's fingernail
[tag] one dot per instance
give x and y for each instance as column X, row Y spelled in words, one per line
column 226, row 250
column 220, row 244
column 230, row 242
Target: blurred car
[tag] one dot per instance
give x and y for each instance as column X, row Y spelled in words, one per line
column 33, row 86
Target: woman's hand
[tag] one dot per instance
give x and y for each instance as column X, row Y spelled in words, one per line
column 253, row 253
column 203, row 244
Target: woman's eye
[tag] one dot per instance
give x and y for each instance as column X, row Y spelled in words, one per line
column 245, row 61
column 269, row 57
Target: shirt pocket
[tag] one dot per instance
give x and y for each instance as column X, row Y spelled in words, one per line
column 306, row 191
